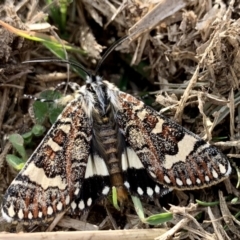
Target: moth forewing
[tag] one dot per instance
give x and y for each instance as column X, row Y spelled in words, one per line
column 172, row 155
column 55, row 171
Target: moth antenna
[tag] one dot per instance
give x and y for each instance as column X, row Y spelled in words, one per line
column 109, row 50
column 78, row 65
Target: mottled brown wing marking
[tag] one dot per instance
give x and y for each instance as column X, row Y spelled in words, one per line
column 56, row 169
column 136, row 131
column 179, row 158
column 59, row 137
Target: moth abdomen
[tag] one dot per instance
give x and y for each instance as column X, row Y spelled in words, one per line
column 106, row 144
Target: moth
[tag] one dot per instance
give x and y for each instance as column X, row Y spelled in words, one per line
column 103, row 138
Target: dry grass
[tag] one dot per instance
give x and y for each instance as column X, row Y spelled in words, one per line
column 185, row 52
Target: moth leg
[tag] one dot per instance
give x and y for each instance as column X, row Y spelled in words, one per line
column 25, row 96
column 74, row 86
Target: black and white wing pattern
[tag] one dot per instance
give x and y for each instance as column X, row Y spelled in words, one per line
column 54, row 174
column 96, row 185
column 137, row 179
column 172, row 155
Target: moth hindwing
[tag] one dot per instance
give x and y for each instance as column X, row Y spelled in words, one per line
column 105, row 138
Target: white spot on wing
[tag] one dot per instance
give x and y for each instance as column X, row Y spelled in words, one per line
column 20, row 214
column 149, row 191
column 6, row 217
column 59, row 206
column 142, row 114
column 65, row 127
column 188, row 181
column 105, row 190
column 96, row 165
column 40, row 214
column 179, row 182
column 185, row 146
column 130, row 160
column 198, row 181
column 222, row 168
column 207, row 179
column 40, row 177
column 100, row 166
column 73, row 205
column 229, row 169
column 81, row 205
column 89, row 202
column 167, row 179
column 157, row 189
column 139, row 104
column 67, row 199
column 76, row 191
column 140, row 191
column 30, row 216
column 153, row 175
column 126, row 184
column 49, row 210
column 55, row 147
column 124, row 161
column 158, row 127
column 214, row 173
column 11, row 212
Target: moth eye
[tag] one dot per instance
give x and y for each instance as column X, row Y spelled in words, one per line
column 88, row 86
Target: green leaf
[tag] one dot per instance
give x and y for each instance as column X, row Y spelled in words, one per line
column 207, row 204
column 53, row 114
column 138, row 207
column 63, row 10
column 235, row 200
column 56, row 50
column 18, row 143
column 27, row 137
column 238, row 176
column 38, row 130
column 44, row 110
column 41, row 37
column 59, row 13
column 54, row 110
column 237, row 215
column 159, row 218
column 114, row 198
column 154, row 219
column 40, row 110
column 15, row 161
column 50, row 95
